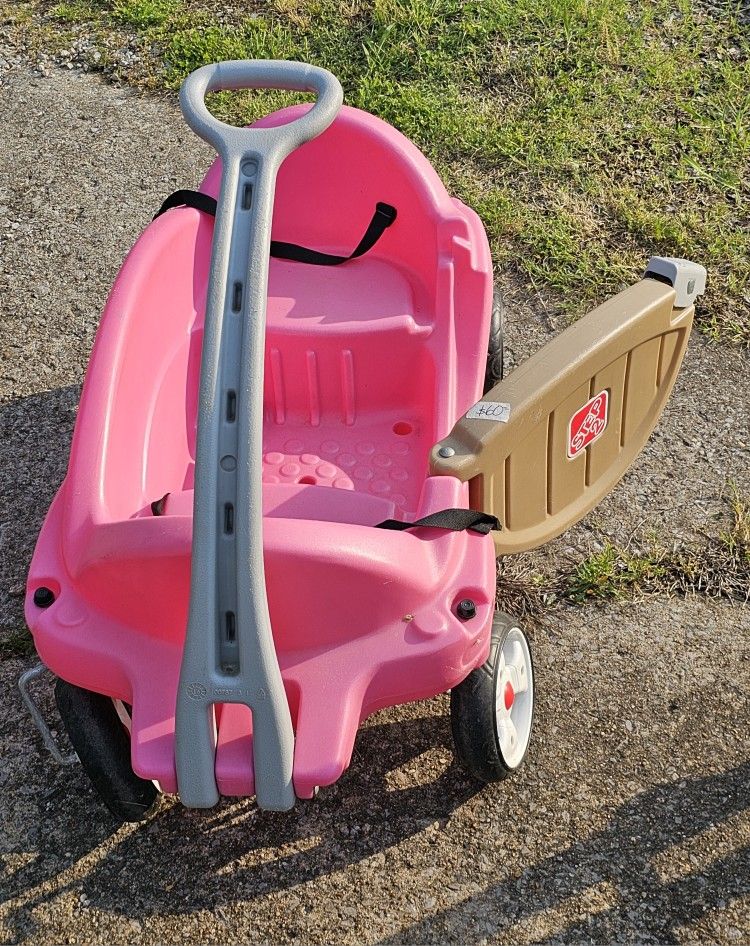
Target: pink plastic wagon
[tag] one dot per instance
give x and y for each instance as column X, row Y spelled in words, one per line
column 273, row 523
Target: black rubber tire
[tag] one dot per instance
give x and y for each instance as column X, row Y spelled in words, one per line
column 494, row 370
column 103, row 745
column 473, row 712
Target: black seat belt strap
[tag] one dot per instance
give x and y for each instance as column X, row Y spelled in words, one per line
column 457, row 520
column 382, row 219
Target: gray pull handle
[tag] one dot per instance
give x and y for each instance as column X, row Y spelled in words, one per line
column 260, row 74
column 229, row 654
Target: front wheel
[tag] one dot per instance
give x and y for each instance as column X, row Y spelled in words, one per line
column 101, row 739
column 493, row 708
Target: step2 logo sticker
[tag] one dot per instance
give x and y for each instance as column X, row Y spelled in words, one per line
column 588, row 424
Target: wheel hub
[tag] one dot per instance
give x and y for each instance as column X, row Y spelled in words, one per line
column 509, row 695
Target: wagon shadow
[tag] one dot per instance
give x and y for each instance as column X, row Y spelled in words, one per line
column 649, row 907
column 183, row 861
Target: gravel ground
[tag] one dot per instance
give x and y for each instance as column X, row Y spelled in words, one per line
column 630, row 820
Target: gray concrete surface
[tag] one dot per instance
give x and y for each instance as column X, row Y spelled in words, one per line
column 630, row 821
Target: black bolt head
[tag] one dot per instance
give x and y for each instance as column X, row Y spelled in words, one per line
column 44, row 597
column 466, row 609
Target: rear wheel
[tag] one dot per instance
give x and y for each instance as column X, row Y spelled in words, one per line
column 494, row 370
column 492, row 709
column 101, row 739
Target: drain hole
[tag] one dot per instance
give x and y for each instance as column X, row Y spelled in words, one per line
column 247, row 196
column 230, row 630
column 402, row 428
column 229, row 518
column 308, row 480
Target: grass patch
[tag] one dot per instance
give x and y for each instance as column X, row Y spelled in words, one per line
column 613, row 573
column 73, row 12
column 719, row 569
column 589, row 134
column 144, row 14
column 736, row 540
column 16, row 644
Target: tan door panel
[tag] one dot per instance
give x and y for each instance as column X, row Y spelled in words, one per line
column 550, row 462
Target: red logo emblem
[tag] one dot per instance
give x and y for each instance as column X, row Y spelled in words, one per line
column 588, row 424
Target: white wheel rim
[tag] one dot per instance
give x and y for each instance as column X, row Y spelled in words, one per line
column 514, row 698
column 123, row 713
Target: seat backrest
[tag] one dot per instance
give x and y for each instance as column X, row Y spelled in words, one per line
column 325, row 197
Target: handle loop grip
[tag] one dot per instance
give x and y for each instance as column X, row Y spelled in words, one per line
column 260, row 74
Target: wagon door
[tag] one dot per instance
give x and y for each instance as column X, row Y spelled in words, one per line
column 545, row 445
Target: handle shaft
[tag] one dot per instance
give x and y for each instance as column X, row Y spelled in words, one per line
column 229, row 654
